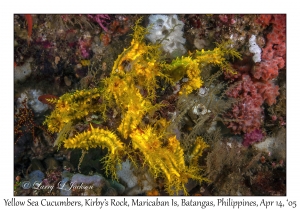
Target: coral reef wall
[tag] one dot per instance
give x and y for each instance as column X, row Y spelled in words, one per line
column 150, row 104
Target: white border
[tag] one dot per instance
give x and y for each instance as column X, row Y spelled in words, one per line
column 8, row 8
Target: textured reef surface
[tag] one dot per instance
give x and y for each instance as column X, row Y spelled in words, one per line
column 150, row 105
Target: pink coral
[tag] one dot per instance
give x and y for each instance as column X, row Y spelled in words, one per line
column 268, row 91
column 245, row 116
column 83, row 49
column 254, row 82
column 223, row 18
column 229, row 18
column 252, row 137
column 274, row 53
column 267, row 70
column 101, row 19
column 85, row 45
column 243, row 88
column 264, row 19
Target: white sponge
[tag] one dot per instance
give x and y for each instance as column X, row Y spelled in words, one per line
column 254, row 48
column 169, row 30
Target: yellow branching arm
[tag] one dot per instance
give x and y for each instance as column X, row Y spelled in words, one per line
column 218, row 56
column 197, row 150
column 95, row 138
column 165, row 161
column 100, row 138
column 72, row 106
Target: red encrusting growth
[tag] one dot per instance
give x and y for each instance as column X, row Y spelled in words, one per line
column 28, row 18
